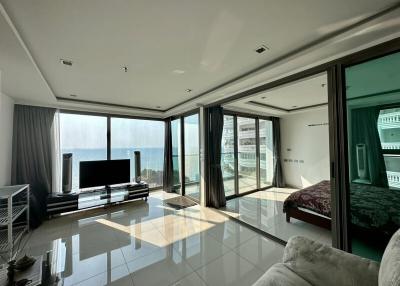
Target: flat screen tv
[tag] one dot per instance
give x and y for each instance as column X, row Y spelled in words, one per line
column 103, row 173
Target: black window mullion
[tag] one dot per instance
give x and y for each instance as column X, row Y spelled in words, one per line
column 236, row 154
column 182, row 155
column 108, row 137
column 258, row 153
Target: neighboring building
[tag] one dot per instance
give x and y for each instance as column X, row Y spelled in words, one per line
column 389, row 131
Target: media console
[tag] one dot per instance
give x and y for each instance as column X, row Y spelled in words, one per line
column 57, row 204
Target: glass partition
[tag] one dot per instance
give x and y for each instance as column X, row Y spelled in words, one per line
column 373, row 125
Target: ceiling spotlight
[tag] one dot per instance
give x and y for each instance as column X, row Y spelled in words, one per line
column 188, row 90
column 73, row 95
column 263, row 97
column 66, row 62
column 158, row 106
column 261, row 49
column 294, row 106
column 178, row 71
column 125, row 69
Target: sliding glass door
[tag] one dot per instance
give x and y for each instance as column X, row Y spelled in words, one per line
column 373, row 141
column 246, row 154
column 192, row 156
column 228, row 161
column 266, row 153
column 176, row 154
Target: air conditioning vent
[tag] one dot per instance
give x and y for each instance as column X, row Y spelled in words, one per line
column 66, row 62
column 261, row 49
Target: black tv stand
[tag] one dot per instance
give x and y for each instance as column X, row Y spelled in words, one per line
column 57, row 204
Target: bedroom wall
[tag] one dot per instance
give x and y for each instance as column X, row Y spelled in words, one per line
column 305, row 149
column 6, row 131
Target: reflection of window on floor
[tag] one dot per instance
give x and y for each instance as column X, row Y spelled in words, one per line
column 389, row 133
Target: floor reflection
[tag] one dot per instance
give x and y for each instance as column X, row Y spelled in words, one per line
column 146, row 243
column 264, row 210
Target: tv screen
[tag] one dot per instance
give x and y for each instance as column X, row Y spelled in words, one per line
column 103, row 173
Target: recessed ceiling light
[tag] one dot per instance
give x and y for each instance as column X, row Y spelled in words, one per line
column 73, row 95
column 125, row 69
column 178, row 71
column 66, row 62
column 261, row 49
column 188, row 90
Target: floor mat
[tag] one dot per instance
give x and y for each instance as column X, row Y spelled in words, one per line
column 180, row 202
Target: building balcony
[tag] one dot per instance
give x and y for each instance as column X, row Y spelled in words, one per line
column 391, row 146
column 246, row 134
column 393, row 179
column 389, row 120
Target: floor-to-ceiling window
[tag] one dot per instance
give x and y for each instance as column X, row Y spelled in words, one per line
column 373, row 129
column 192, row 156
column 85, row 137
column 228, row 161
column 146, row 136
column 176, row 153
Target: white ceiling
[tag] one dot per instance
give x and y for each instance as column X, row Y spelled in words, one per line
column 294, row 97
column 19, row 77
column 211, row 41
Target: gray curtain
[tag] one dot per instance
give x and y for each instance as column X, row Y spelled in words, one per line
column 277, row 180
column 215, row 197
column 168, row 171
column 32, row 156
column 364, row 130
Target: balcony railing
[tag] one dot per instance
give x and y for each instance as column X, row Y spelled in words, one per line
column 391, row 146
column 389, row 120
column 393, row 179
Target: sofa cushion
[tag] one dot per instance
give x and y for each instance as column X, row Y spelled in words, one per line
column 389, row 272
column 280, row 275
column 320, row 264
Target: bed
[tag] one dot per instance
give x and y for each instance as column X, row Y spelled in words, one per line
column 373, row 208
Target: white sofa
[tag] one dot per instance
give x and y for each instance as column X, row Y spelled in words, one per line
column 307, row 262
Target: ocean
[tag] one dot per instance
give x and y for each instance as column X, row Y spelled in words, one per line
column 152, row 162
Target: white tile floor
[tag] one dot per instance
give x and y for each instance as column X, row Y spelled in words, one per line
column 147, row 243
column 264, row 210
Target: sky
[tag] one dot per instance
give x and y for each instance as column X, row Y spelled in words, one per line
column 90, row 132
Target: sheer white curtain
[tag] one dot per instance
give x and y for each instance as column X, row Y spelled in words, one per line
column 56, row 155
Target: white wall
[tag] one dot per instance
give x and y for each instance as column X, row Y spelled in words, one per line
column 6, row 131
column 305, row 149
